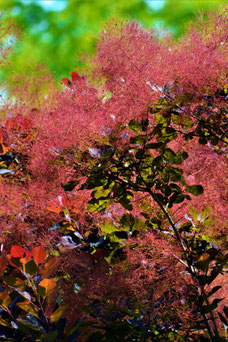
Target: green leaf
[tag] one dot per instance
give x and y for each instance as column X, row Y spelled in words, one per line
column 45, row 287
column 186, row 227
column 203, row 261
column 174, row 187
column 214, row 139
column 180, row 157
column 101, row 193
column 57, row 314
column 205, row 309
column 153, row 146
column 29, row 307
column 225, row 309
column 135, row 126
column 223, row 319
column 162, row 119
column 31, row 267
column 189, row 136
column 108, row 228
column 94, row 182
column 121, row 235
column 138, row 140
column 215, row 289
column 126, row 203
column 158, row 161
column 69, row 186
column 195, row 190
column 95, row 205
column 177, row 198
column 30, row 327
column 169, row 155
column 214, row 273
column 174, row 173
column 127, row 221
column 193, row 212
column 15, row 282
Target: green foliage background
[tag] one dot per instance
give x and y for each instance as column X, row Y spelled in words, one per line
column 56, row 38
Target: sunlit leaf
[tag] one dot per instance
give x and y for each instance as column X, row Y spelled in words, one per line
column 15, row 282
column 38, row 254
column 57, row 314
column 17, row 252
column 203, row 261
column 14, row 261
column 29, row 307
column 5, row 299
column 45, row 287
column 54, row 209
column 49, row 267
column 108, row 228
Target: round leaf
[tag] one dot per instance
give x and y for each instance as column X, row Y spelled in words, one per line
column 38, row 254
column 45, row 287
column 195, row 190
column 17, row 252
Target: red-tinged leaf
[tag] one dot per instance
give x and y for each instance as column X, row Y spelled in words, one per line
column 75, row 77
column 54, row 209
column 64, row 201
column 45, row 287
column 49, row 267
column 66, row 82
column 2, row 266
column 17, row 252
column 14, row 261
column 15, row 282
column 38, row 254
column 3, row 149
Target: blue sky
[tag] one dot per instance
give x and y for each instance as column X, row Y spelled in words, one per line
column 59, row 5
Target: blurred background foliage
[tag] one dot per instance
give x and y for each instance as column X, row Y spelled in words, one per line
column 56, row 33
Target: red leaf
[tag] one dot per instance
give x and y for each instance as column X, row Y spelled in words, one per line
column 17, row 252
column 3, row 149
column 38, row 254
column 66, row 82
column 54, row 209
column 75, row 77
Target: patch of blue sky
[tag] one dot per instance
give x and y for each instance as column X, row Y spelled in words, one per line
column 156, row 5
column 3, row 97
column 49, row 5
